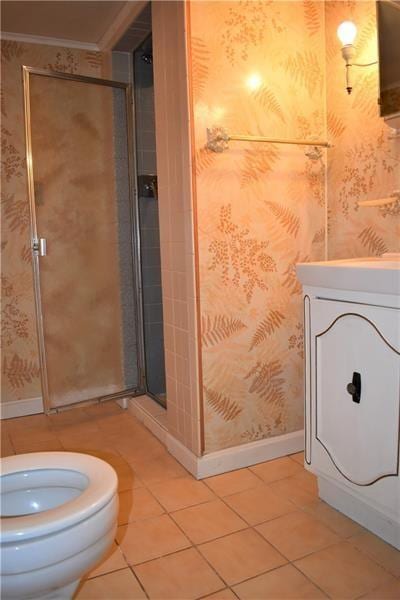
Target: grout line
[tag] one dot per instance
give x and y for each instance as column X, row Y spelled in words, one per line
column 310, row 580
column 348, row 540
column 136, row 576
column 103, row 574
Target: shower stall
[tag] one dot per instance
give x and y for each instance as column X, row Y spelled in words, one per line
column 95, row 240
column 148, row 220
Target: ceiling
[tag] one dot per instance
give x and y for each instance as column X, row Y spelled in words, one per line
column 85, row 22
column 139, row 29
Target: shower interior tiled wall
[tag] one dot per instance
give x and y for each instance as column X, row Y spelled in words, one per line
column 148, row 220
column 132, row 67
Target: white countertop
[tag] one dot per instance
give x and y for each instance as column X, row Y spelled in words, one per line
column 379, row 275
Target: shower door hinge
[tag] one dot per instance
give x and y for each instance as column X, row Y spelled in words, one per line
column 39, row 246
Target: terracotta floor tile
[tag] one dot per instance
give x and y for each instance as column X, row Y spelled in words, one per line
column 298, row 457
column 113, row 561
column 241, row 555
column 384, row 554
column 389, row 591
column 104, row 409
column 78, row 430
column 151, row 538
column 159, row 469
column 82, row 442
column 359, row 567
column 32, row 435
column 120, row 585
column 208, row 521
column 259, row 504
column 273, row 470
column 297, row 534
column 181, row 576
column 176, row 494
column 24, row 447
column 137, row 504
column 342, row 571
column 291, row 489
column 233, row 482
column 69, row 417
column 307, row 481
column 335, row 520
column 140, row 447
column 7, row 448
column 119, row 425
column 127, row 478
column 24, row 425
column 225, row 594
column 285, row 583
column 110, row 456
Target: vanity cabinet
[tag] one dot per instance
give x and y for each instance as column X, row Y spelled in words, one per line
column 352, row 393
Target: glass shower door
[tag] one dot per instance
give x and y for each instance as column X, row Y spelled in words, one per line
column 82, row 226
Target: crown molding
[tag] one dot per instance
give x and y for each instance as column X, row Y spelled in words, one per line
column 121, row 23
column 116, row 30
column 48, row 41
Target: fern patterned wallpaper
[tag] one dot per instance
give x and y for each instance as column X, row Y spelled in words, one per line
column 261, row 208
column 20, row 364
column 362, row 164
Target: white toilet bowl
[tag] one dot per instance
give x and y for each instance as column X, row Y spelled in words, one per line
column 58, row 518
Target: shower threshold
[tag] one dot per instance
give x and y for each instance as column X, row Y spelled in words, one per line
column 151, row 414
column 160, row 399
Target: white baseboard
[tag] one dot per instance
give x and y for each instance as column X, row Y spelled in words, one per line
column 218, row 462
column 249, row 454
column 236, row 457
column 360, row 511
column 186, row 457
column 21, row 408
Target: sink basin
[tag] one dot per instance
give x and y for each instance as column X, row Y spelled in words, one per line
column 379, row 275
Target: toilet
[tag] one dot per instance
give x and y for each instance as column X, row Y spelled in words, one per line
column 58, row 518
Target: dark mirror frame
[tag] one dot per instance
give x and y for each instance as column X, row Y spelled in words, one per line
column 389, row 98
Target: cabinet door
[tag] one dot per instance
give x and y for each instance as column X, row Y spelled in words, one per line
column 360, row 432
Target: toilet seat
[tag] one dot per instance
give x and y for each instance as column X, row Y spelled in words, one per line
column 101, row 488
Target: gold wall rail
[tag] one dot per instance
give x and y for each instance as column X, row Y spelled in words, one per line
column 394, row 198
column 218, row 138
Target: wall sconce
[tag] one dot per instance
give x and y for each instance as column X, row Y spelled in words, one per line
column 346, row 33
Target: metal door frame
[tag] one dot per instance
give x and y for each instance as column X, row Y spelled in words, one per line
column 140, row 389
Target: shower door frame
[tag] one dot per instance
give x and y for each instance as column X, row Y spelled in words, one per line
column 135, row 234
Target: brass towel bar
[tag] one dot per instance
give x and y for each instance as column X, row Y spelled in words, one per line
column 218, row 138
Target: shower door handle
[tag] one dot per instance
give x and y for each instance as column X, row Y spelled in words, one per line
column 40, row 247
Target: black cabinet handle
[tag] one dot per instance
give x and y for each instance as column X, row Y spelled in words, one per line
column 354, row 388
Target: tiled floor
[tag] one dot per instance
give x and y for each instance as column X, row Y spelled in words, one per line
column 252, row 534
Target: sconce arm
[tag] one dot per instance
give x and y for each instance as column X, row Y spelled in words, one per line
column 348, row 53
column 364, row 64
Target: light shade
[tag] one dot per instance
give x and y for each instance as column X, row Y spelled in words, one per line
column 347, row 32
